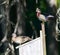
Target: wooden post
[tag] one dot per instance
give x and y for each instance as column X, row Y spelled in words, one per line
column 43, row 36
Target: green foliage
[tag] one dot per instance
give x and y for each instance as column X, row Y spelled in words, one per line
column 42, row 6
column 58, row 3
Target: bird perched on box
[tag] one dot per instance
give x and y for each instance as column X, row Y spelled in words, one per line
column 20, row 39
